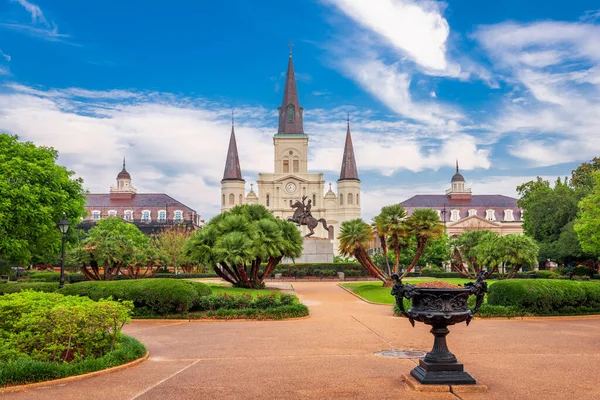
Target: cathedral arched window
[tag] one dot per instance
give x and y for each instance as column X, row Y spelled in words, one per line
column 231, row 199
column 267, row 201
column 290, row 113
column 314, row 203
column 357, row 199
column 296, row 166
column 162, row 215
column 286, row 166
column 350, row 199
column 341, row 199
column 241, row 199
column 223, row 200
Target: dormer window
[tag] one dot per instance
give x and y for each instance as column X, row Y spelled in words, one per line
column 112, row 213
column 128, row 215
column 508, row 215
column 472, row 213
column 146, row 216
column 455, row 215
column 490, row 215
column 290, row 113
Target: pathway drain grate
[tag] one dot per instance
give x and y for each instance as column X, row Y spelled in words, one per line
column 401, row 353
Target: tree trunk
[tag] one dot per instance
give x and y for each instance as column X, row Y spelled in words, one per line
column 384, row 248
column 361, row 255
column 420, row 248
column 461, row 269
column 271, row 264
column 229, row 278
column 397, row 251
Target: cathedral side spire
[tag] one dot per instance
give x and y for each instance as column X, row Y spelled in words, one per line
column 349, row 170
column 232, row 171
column 290, row 112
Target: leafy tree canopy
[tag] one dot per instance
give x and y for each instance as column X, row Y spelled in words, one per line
column 582, row 175
column 587, row 224
column 34, row 193
column 236, row 242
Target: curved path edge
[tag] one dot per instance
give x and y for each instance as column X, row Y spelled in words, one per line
column 53, row 382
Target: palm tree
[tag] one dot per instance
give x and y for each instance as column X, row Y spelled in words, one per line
column 354, row 238
column 235, row 243
column 464, row 254
column 514, row 251
column 380, row 230
column 393, row 219
column 424, row 224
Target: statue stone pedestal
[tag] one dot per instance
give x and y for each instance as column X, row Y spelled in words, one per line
column 315, row 250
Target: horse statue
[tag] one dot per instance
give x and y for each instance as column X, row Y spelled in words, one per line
column 302, row 216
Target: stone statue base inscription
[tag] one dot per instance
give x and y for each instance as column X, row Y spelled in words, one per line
column 315, row 250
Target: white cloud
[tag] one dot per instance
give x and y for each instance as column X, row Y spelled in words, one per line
column 178, row 145
column 432, row 94
column 555, row 67
column 392, row 87
column 36, row 13
column 5, row 56
column 416, row 28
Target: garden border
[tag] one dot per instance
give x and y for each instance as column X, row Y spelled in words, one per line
column 363, row 299
column 53, row 382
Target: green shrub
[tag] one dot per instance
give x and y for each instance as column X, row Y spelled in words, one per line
column 281, row 312
column 183, row 276
column 543, row 274
column 44, row 277
column 35, row 286
column 596, row 276
column 202, row 288
column 55, row 328
column 547, row 296
column 582, row 270
column 28, row 371
column 243, row 301
column 149, row 296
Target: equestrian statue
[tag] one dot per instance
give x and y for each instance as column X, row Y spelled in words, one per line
column 302, row 216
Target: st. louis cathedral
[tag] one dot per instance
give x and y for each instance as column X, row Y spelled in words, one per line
column 291, row 180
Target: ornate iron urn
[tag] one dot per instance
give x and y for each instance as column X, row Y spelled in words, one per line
column 440, row 308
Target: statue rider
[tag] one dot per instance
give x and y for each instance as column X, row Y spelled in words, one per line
column 306, row 213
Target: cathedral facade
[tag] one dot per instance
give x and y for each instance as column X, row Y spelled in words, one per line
column 291, row 180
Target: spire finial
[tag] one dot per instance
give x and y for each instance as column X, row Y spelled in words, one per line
column 123, row 162
column 251, row 187
column 232, row 118
column 329, row 185
column 348, row 119
column 290, row 44
column 457, row 165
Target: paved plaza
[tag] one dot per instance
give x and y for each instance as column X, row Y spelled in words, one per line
column 330, row 356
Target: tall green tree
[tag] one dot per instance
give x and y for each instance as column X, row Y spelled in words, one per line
column 354, row 238
column 380, row 230
column 425, row 225
column 171, row 242
column 587, row 224
column 393, row 221
column 235, row 243
column 464, row 258
column 116, row 247
column 34, row 193
column 506, row 255
column 582, row 175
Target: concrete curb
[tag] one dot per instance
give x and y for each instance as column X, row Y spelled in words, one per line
column 18, row 388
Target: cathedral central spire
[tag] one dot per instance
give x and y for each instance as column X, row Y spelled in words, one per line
column 290, row 112
column 233, row 171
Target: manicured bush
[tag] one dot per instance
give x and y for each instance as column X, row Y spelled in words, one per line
column 439, row 274
column 43, row 277
column 547, row 296
column 582, row 270
column 183, row 276
column 149, row 296
column 34, row 286
column 281, row 312
column 243, row 301
column 202, row 288
column 28, row 371
column 55, row 328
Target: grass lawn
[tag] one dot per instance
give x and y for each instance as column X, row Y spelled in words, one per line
column 373, row 291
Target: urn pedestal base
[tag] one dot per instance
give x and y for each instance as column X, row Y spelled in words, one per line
column 442, row 374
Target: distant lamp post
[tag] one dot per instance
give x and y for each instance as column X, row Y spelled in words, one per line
column 63, row 226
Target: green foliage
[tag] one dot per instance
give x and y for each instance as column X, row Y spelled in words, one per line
column 34, row 286
column 391, row 227
column 236, row 242
column 201, row 288
column 243, row 301
column 149, row 296
column 281, row 312
column 582, row 175
column 547, row 296
column 425, row 226
column 55, row 328
column 506, row 255
column 170, row 243
column 354, row 238
column 587, row 224
column 24, row 371
column 34, row 193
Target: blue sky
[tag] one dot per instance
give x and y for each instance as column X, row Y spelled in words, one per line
column 511, row 89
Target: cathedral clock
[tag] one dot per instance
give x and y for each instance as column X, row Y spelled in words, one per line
column 290, row 187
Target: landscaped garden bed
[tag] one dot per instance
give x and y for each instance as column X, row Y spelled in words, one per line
column 509, row 298
column 46, row 336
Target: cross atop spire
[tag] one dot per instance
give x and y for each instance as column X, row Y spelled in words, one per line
column 123, row 163
column 290, row 44
column 349, row 171
column 232, row 171
column 457, row 165
column 290, row 112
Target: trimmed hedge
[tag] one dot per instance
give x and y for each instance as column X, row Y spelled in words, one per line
column 35, row 286
column 243, row 301
column 149, row 296
column 183, row 276
column 547, row 296
column 281, row 312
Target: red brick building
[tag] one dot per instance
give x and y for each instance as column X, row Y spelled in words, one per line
column 149, row 211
